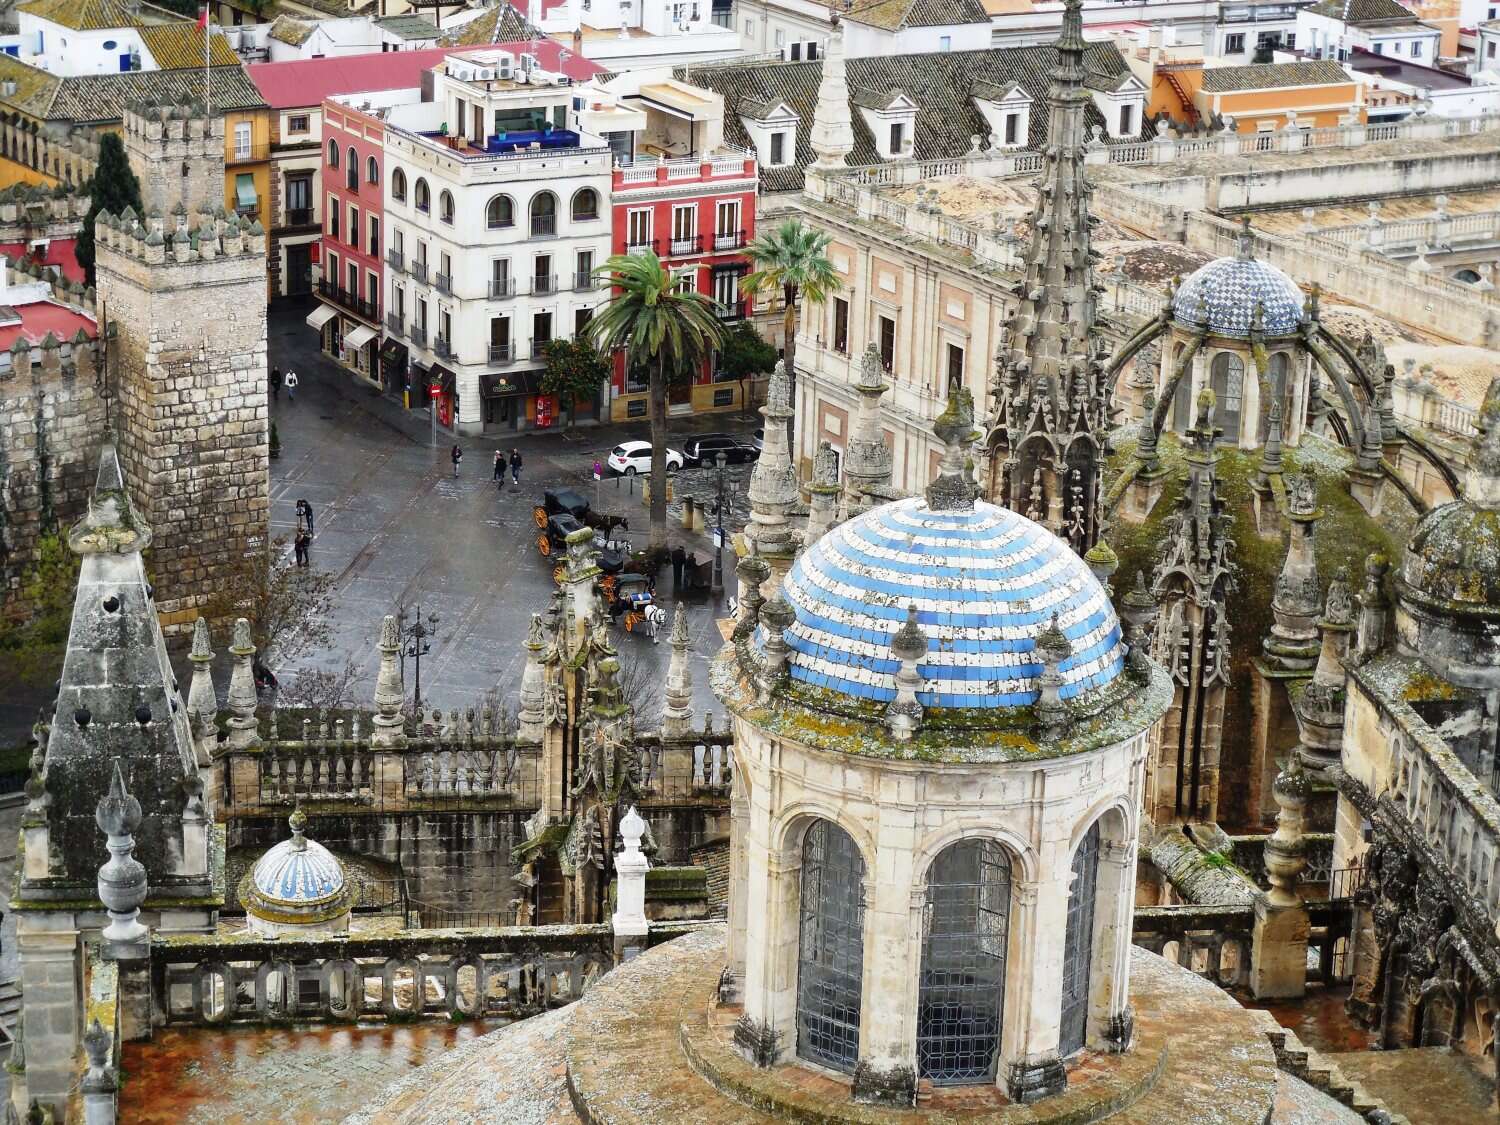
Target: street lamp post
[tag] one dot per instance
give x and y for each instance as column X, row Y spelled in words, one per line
column 414, row 644
column 718, row 579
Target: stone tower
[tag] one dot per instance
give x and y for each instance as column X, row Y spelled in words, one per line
column 1046, row 448
column 186, row 291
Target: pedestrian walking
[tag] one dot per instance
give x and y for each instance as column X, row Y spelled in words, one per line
column 690, row 570
column 289, row 380
column 276, row 383
column 679, row 560
column 299, row 548
column 515, row 465
column 499, row 477
column 458, row 455
column 305, row 517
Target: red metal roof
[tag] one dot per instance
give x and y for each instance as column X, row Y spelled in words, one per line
column 60, row 253
column 306, row 82
column 40, row 317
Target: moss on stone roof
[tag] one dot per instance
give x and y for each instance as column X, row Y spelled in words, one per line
column 1342, row 538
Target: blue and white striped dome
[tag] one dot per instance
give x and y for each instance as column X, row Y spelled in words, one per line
column 1223, row 295
column 985, row 582
column 293, row 875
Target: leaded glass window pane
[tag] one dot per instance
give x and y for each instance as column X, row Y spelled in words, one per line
column 1078, row 950
column 830, row 952
column 965, row 925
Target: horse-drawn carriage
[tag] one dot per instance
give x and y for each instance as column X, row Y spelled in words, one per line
column 632, row 602
column 562, row 512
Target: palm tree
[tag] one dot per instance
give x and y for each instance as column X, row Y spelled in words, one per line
column 662, row 327
column 794, row 259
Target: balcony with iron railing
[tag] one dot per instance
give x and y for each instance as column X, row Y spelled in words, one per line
column 502, row 287
column 394, row 324
column 248, row 154
column 444, row 283
column 729, row 240
column 641, row 248
column 418, row 270
column 502, row 353
column 419, row 335
column 544, row 284
column 300, row 217
column 690, row 244
column 442, row 347
column 543, row 226
column 738, row 310
column 348, row 301
column 584, row 281
column 395, row 259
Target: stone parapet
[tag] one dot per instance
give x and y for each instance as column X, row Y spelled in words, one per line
column 178, row 153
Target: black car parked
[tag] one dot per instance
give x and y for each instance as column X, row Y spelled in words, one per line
column 705, row 449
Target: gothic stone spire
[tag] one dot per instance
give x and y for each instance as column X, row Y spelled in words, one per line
column 1047, row 378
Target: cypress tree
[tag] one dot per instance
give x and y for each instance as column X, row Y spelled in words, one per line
column 113, row 188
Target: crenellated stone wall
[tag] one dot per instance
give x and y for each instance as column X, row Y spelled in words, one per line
column 193, row 401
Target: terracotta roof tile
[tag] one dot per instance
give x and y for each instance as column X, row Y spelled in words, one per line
column 82, row 15
column 893, row 15
column 1273, row 76
column 1364, row 11
column 178, row 45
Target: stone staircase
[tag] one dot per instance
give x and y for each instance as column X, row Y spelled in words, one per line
column 1322, row 1073
column 10, row 1015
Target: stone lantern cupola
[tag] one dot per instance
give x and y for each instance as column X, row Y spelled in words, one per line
column 940, row 751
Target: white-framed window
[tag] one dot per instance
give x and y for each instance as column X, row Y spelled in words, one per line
column 297, row 122
column 683, row 279
column 727, row 288
column 372, row 281
column 780, row 37
column 684, row 228
column 501, row 284
column 1127, row 120
column 945, row 42
column 726, row 224
column 354, row 227
column 1234, row 44
column 1012, row 128
column 638, row 227
column 778, row 150
column 750, row 28
column 242, row 140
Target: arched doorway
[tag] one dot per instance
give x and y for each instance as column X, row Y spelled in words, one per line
column 1078, row 945
column 1229, row 394
column 965, row 929
column 830, row 947
column 1278, row 370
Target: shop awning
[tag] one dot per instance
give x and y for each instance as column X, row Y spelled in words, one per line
column 493, row 384
column 442, row 378
column 244, row 191
column 358, row 337
column 393, row 351
column 321, row 316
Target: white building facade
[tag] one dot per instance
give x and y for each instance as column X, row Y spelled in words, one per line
column 1332, row 29
column 494, row 229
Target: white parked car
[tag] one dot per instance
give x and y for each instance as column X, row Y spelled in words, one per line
column 631, row 457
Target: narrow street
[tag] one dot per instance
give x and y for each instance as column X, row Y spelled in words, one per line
column 396, row 527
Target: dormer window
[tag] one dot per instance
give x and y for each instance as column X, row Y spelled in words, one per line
column 773, row 128
column 1120, row 100
column 891, row 118
column 1007, row 111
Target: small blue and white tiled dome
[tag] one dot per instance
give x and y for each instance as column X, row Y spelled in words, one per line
column 297, row 882
column 1223, row 295
column 985, row 582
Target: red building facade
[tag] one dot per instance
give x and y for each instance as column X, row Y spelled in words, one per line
column 697, row 215
column 351, row 269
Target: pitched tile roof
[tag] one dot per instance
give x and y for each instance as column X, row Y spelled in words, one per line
column 99, row 98
column 500, row 24
column 893, row 15
column 1272, row 76
column 409, row 26
column 81, row 15
column 938, row 83
column 1357, row 12
column 181, row 44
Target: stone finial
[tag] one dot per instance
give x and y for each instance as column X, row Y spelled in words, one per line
column 297, row 822
column 1052, row 648
column 1103, row 562
column 754, row 571
column 954, row 489
column 1271, row 463
column 677, row 715
column 1139, row 610
column 1292, row 644
column 203, row 699
column 1146, row 447
column 100, row 1082
column 122, row 878
column 822, row 510
column 773, row 480
column 777, row 616
column 1285, row 850
column 1244, row 241
column 534, row 682
column 629, row 919
column 242, row 698
column 832, row 136
column 390, row 690
column 903, row 715
column 1374, row 609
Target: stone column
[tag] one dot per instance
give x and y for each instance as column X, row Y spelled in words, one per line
column 768, row 1030
column 677, row 715
column 51, row 982
column 1032, row 1069
column 1278, row 953
column 243, row 727
column 739, row 874
column 1109, row 1002
column 203, row 700
column 629, row 919
column 390, row 691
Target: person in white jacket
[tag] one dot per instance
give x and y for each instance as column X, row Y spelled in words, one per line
column 289, row 381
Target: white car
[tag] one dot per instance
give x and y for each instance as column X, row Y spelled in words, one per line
column 633, row 457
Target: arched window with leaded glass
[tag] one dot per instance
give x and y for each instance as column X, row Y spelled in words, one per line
column 961, row 996
column 1078, row 945
column 1229, row 394
column 830, row 947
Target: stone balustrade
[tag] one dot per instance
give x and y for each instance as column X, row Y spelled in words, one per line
column 698, row 766
column 437, row 974
column 1212, row 941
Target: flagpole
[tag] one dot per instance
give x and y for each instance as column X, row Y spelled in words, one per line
column 208, row 98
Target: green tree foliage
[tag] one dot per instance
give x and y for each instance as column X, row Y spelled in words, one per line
column 794, row 259
column 113, row 188
column 665, row 328
column 575, row 369
column 746, row 353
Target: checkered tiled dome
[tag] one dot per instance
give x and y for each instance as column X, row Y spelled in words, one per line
column 1224, row 294
column 985, row 582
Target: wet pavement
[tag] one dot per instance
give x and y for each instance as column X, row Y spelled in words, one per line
column 396, row 527
column 1318, row 1020
column 1429, row 1085
column 270, row 1076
